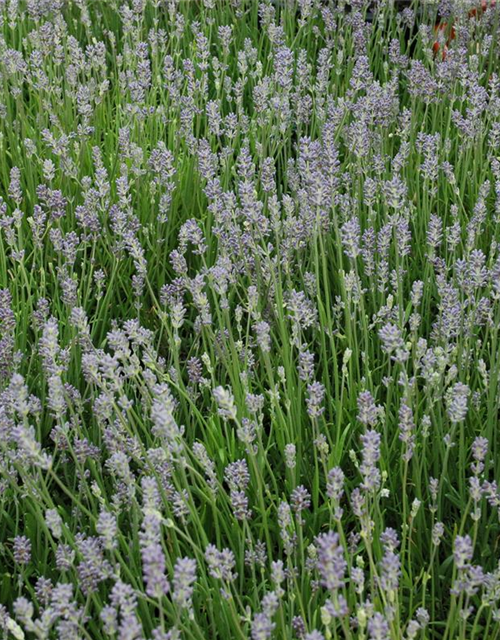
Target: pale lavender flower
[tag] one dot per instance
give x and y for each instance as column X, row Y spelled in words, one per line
column 437, row 533
column 299, row 627
column 247, row 434
column 153, row 563
column 302, row 311
column 194, row 370
column 306, row 365
column 479, row 452
column 476, row 493
column 457, row 402
column 423, row 617
column 263, row 336
column 153, row 558
column 225, row 403
column 256, row 556
column 368, row 411
column 270, row 603
column 417, row 290
column 93, row 567
column 183, row 583
column 358, row 502
column 24, row 611
column 370, row 188
column 165, row 426
column 191, row 233
column 21, row 549
column 220, row 563
column 65, row 557
column 301, row 500
column 239, row 505
column 389, row 539
column 462, row 551
column 314, row 401
column 123, row 598
column 433, row 490
column 54, row 522
column 283, row 68
column 254, row 402
column 7, row 326
column 395, row 191
column 392, row 342
column 237, row 475
column 350, row 233
column 337, row 608
column 225, row 33
column 406, row 431
column 15, row 190
column 390, row 571
column 262, row 627
column 378, row 627
column 208, row 465
column 314, row 635
column 109, row 619
column 64, row 606
column 335, row 484
column 370, row 456
column 278, row 576
column 403, row 236
column 422, row 84
column 107, row 528
column 358, row 579
column 331, row 561
column 290, row 456
column 285, row 523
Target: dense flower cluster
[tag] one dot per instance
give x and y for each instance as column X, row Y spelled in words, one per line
column 249, row 319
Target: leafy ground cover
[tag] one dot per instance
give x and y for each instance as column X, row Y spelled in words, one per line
column 249, row 320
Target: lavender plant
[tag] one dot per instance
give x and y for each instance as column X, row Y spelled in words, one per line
column 249, row 319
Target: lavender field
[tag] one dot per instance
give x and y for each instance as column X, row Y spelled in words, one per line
column 249, row 320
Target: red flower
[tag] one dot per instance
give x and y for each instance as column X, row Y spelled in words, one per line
column 484, row 5
column 440, row 30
